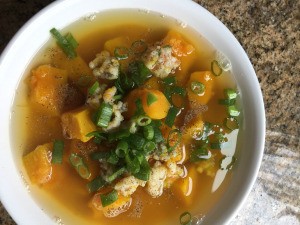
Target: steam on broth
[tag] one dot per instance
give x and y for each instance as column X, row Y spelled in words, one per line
column 138, row 124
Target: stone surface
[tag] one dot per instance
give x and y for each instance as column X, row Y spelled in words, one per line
column 269, row 31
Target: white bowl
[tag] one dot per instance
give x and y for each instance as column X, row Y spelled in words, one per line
column 15, row 58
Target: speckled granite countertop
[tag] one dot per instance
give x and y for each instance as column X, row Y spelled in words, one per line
column 269, row 31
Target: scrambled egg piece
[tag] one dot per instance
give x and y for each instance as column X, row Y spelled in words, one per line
column 105, row 66
column 128, row 185
column 155, row 184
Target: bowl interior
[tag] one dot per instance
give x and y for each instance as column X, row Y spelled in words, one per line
column 35, row 33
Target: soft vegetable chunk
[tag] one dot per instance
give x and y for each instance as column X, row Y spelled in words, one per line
column 77, row 124
column 47, row 89
column 38, row 164
column 184, row 188
column 207, row 79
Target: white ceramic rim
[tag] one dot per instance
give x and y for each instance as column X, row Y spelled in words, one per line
column 13, row 194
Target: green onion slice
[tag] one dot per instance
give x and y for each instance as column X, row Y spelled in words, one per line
column 118, row 135
column 200, row 153
column 231, row 123
column 136, row 140
column 151, row 98
column 57, row 153
column 148, row 132
column 104, row 114
column 93, row 88
column 144, row 173
column 121, row 53
column 171, row 116
column 116, row 174
column 185, row 218
column 113, row 158
column 216, row 68
column 197, row 88
column 228, row 166
column 72, row 41
column 139, row 47
column 233, row 111
column 78, row 163
column 96, row 184
column 230, row 93
column 64, row 44
column 109, row 198
column 122, row 149
column 143, row 121
column 133, row 165
column 149, row 146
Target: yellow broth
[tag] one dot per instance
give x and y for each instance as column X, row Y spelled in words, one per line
column 69, row 200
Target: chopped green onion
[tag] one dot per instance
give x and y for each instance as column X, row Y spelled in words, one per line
column 144, row 173
column 64, row 44
column 93, row 88
column 107, row 199
column 230, row 93
column 170, row 80
column 98, row 136
column 143, row 121
column 116, row 174
column 151, row 98
column 113, row 158
column 199, row 153
column 136, row 141
column 122, row 149
column 117, row 97
column 100, row 155
column 139, row 72
column 72, row 41
column 216, row 68
column 139, row 108
column 96, row 184
column 118, row 135
column 81, row 168
column 148, row 132
column 173, row 134
column 231, row 123
column 158, row 137
column 149, row 146
column 227, row 102
column 133, row 165
column 185, row 218
column 104, row 114
column 197, row 88
column 206, row 130
column 233, row 111
column 57, row 153
column 139, row 47
column 121, row 53
column 171, row 116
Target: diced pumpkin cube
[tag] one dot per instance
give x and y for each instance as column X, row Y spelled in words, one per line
column 157, row 109
column 207, row 79
column 185, row 188
column 47, row 89
column 38, row 164
column 77, row 124
column 77, row 69
column 121, row 205
column 179, row 45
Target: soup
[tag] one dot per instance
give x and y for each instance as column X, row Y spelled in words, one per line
column 126, row 119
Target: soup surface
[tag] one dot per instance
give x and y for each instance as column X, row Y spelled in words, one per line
column 135, row 125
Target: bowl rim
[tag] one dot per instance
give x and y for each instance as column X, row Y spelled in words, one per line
column 191, row 12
